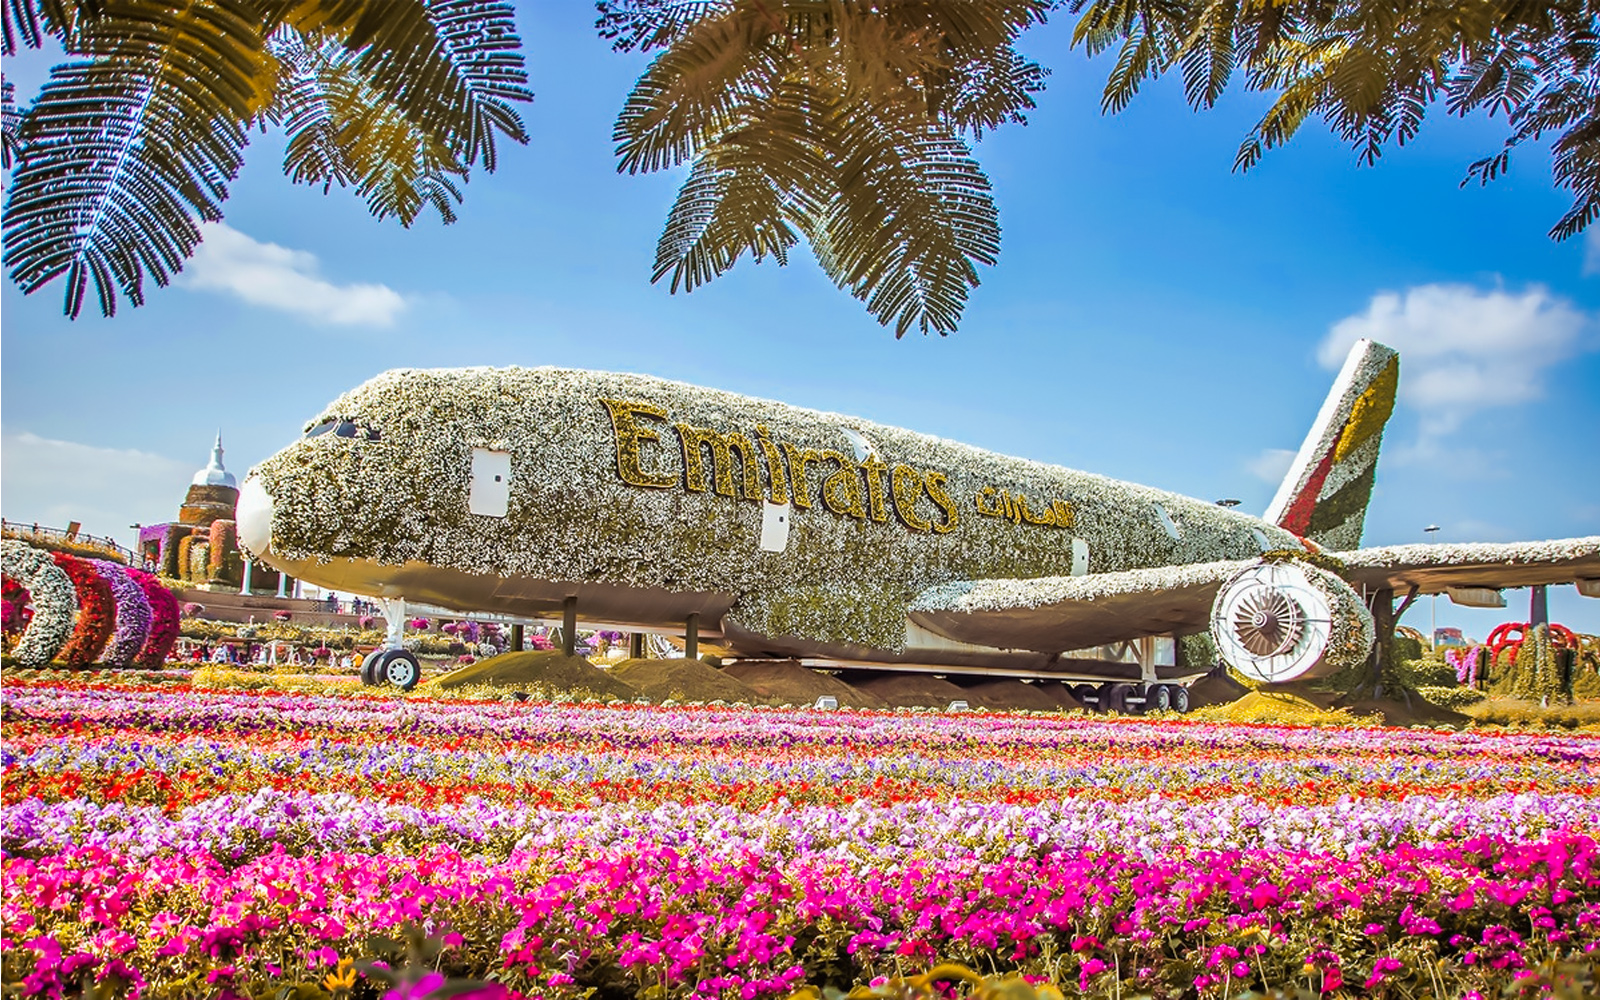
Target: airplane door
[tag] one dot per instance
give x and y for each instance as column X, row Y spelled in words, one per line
column 490, row 490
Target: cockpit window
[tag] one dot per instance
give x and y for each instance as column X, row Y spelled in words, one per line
column 344, row 429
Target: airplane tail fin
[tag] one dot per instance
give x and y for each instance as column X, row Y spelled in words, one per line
column 1324, row 497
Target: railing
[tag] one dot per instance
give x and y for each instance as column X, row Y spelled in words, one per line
column 60, row 538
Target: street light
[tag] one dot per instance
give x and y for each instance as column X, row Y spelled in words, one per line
column 1433, row 605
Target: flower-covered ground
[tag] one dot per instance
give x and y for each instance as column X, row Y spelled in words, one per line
column 173, row 842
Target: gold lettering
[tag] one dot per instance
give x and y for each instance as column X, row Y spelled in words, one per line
column 996, row 511
column 907, row 487
column 798, row 457
column 875, row 467
column 630, row 435
column 841, row 492
column 780, row 485
column 1064, row 515
column 722, row 446
column 935, row 483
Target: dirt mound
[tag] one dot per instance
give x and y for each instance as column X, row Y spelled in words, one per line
column 912, row 690
column 785, row 682
column 547, row 671
column 1061, row 695
column 1215, row 689
column 1413, row 711
column 683, row 680
column 1010, row 696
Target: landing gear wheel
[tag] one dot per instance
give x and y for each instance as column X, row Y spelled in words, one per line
column 1087, row 696
column 1158, row 698
column 372, row 667
column 402, row 670
column 1180, row 697
column 1114, row 698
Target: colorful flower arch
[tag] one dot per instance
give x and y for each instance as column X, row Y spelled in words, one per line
column 97, row 612
column 163, row 620
column 54, row 601
column 133, row 614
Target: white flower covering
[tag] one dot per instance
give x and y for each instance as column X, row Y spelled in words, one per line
column 1000, row 595
column 55, row 601
column 1473, row 553
column 572, row 518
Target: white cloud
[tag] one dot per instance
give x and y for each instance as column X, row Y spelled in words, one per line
column 1591, row 251
column 105, row 489
column 1271, row 465
column 266, row 274
column 1463, row 349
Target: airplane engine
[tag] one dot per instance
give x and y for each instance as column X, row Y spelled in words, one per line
column 1283, row 621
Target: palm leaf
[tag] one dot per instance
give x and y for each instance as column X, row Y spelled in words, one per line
column 453, row 68
column 343, row 132
column 120, row 154
column 912, row 216
column 10, row 124
column 840, row 123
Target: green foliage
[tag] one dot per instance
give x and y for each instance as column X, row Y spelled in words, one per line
column 1451, row 696
column 843, row 124
column 134, row 141
column 1424, row 671
column 1197, row 652
column 1371, row 69
column 1407, row 647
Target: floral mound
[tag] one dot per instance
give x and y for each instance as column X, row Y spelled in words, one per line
column 547, row 671
column 785, row 682
column 186, row 843
column 679, row 679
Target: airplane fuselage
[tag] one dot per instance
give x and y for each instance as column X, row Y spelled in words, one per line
column 790, row 531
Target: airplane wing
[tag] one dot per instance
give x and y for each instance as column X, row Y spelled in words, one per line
column 1052, row 613
column 1432, row 568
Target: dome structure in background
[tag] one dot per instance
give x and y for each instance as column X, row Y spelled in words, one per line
column 212, row 493
column 214, row 474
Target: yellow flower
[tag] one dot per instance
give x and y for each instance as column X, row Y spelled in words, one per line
column 343, row 980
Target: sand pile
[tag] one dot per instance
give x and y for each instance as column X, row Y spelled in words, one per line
column 786, row 682
column 1061, row 695
column 912, row 690
column 547, row 671
column 1010, row 696
column 1215, row 689
column 1399, row 711
column 682, row 680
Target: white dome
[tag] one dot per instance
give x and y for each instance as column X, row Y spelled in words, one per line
column 214, row 474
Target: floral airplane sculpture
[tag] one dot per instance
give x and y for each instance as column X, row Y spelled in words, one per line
column 633, row 501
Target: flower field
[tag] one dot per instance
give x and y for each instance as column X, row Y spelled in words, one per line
column 170, row 842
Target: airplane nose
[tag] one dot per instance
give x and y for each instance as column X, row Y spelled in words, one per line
column 253, row 515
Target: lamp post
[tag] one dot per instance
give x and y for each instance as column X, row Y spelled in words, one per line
column 1433, row 603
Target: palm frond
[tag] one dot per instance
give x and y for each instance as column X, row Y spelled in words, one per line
column 453, row 67
column 341, row 131
column 644, row 25
column 840, row 123
column 912, row 216
column 120, row 154
column 28, row 21
column 10, row 123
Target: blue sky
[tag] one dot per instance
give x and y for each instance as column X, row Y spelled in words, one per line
column 1153, row 316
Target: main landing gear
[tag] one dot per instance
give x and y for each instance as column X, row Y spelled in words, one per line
column 391, row 666
column 1124, row 698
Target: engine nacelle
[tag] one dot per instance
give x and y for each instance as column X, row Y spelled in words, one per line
column 1283, row 621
